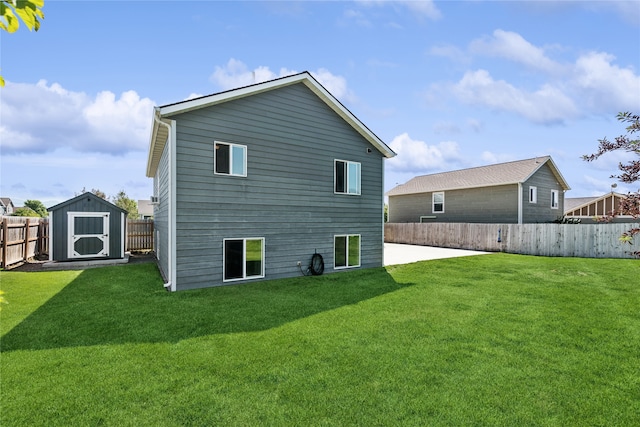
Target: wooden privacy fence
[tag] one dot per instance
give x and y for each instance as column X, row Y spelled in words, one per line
column 569, row 240
column 22, row 238
column 139, row 235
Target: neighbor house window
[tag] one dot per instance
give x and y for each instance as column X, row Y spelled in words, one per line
column 230, row 159
column 437, row 200
column 346, row 251
column 243, row 259
column 554, row 199
column 347, row 177
column 533, row 194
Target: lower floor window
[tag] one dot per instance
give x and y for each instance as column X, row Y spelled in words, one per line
column 243, row 258
column 346, row 251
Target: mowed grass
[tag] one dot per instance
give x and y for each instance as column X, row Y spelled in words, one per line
column 486, row 340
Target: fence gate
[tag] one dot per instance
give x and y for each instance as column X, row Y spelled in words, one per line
column 88, row 234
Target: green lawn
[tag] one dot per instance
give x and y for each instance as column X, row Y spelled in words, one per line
column 486, row 340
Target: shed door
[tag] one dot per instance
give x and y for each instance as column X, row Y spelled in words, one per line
column 88, row 234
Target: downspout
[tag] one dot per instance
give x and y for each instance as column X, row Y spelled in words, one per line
column 170, row 286
column 519, row 203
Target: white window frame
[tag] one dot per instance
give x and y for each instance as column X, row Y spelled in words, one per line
column 244, row 259
column 533, row 194
column 433, row 202
column 347, row 236
column 555, row 197
column 358, row 185
column 231, row 146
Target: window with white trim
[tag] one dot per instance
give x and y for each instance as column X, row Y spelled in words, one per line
column 554, row 199
column 533, row 194
column 346, row 251
column 230, row 159
column 346, row 177
column 243, row 259
column 437, row 202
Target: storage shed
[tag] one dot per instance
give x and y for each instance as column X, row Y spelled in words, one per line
column 86, row 227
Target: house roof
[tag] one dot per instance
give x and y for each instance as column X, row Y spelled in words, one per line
column 85, row 195
column 574, row 203
column 159, row 133
column 515, row 172
column 5, row 201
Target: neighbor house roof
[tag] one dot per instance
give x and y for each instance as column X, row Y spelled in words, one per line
column 159, row 133
column 598, row 205
column 5, row 201
column 483, row 176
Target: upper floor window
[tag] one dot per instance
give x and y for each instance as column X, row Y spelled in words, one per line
column 230, row 159
column 533, row 194
column 437, row 200
column 347, row 177
column 554, row 199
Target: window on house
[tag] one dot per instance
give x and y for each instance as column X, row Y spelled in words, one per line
column 243, row 259
column 437, row 200
column 230, row 159
column 346, row 251
column 533, row 194
column 347, row 177
column 554, row 199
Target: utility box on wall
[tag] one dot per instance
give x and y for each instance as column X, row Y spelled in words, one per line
column 86, row 227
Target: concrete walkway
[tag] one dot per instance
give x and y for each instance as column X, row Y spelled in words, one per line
column 404, row 254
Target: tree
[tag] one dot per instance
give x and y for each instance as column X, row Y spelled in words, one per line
column 95, row 191
column 37, row 206
column 12, row 11
column 25, row 211
column 630, row 172
column 121, row 200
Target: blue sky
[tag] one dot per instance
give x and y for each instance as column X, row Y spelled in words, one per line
column 447, row 85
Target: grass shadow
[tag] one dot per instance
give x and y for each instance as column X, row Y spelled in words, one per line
column 127, row 304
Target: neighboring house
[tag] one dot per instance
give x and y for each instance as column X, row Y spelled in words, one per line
column 589, row 209
column 524, row 191
column 145, row 209
column 6, row 206
column 252, row 182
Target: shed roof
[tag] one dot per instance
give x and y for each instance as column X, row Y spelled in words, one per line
column 85, row 195
column 515, row 172
column 159, row 133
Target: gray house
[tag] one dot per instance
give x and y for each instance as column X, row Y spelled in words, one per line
column 86, row 227
column 251, row 183
column 6, row 206
column 524, row 191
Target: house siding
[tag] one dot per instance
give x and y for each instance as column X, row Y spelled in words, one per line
column 497, row 204
column 287, row 197
column 545, row 181
column 161, row 186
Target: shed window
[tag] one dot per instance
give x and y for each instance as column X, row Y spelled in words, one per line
column 243, row 259
column 533, row 194
column 554, row 199
column 437, row 200
column 230, row 159
column 346, row 251
column 347, row 177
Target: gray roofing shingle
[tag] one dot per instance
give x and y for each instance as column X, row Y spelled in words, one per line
column 482, row 176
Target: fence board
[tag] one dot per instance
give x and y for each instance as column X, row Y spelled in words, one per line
column 139, row 235
column 571, row 240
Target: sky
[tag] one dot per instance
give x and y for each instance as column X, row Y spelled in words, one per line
column 447, row 85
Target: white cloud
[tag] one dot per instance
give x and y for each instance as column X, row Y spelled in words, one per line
column 418, row 156
column 488, row 157
column 425, row 8
column 606, row 86
column 546, row 105
column 236, row 74
column 42, row 118
column 514, row 47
